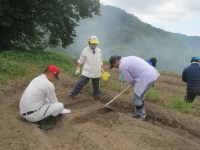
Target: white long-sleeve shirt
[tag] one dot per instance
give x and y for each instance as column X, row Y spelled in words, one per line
column 36, row 93
column 138, row 73
column 91, row 62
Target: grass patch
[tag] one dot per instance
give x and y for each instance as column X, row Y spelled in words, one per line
column 153, row 95
column 15, row 64
column 179, row 105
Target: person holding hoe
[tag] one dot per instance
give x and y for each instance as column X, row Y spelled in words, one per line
column 152, row 61
column 140, row 75
column 91, row 63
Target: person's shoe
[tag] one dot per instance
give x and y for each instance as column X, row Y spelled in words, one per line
column 134, row 114
column 141, row 113
column 96, row 98
column 42, row 125
column 70, row 98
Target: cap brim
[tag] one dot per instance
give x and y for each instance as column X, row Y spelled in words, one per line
column 57, row 77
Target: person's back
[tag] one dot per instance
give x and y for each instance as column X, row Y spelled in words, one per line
column 138, row 68
column 35, row 94
column 191, row 75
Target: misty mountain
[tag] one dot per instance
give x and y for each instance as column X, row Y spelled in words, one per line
column 192, row 42
column 124, row 34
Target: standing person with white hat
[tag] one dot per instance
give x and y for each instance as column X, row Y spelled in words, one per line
column 91, row 62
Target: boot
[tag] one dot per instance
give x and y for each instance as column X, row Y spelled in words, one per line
column 141, row 113
column 134, row 114
column 42, row 124
column 70, row 98
column 96, row 98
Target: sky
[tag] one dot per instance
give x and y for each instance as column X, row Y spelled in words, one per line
column 176, row 16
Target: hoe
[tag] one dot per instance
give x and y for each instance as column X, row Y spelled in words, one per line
column 106, row 105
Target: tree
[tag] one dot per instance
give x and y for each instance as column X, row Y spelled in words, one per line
column 49, row 22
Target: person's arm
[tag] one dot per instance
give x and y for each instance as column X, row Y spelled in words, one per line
column 80, row 62
column 184, row 79
column 127, row 76
column 50, row 93
column 78, row 70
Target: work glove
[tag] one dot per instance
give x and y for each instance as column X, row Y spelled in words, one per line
column 77, row 71
column 102, row 70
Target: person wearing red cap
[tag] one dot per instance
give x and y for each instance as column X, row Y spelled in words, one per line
column 39, row 102
column 91, row 63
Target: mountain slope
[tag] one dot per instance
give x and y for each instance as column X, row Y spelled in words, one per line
column 124, row 34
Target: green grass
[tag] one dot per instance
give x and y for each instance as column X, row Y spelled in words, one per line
column 153, row 95
column 180, row 105
column 17, row 64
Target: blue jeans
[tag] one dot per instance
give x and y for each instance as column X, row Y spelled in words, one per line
column 138, row 101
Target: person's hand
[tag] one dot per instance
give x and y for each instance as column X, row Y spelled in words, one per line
column 77, row 71
column 102, row 70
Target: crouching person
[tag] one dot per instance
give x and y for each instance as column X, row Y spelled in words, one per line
column 39, row 102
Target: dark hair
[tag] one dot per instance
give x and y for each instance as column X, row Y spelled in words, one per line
column 153, row 61
column 113, row 59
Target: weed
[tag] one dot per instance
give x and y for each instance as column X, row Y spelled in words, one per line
column 180, row 105
column 153, row 95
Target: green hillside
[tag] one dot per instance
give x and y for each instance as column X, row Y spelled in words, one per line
column 124, row 34
column 23, row 65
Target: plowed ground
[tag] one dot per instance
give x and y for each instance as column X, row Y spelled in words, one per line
column 91, row 126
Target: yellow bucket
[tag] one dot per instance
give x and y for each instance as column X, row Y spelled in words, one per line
column 105, row 76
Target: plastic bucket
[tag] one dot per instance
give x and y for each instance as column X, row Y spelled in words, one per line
column 105, row 76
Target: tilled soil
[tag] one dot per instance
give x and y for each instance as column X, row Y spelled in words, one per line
column 91, row 126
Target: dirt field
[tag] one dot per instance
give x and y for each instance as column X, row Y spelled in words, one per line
column 91, row 126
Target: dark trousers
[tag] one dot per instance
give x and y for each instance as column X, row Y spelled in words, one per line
column 191, row 93
column 82, row 82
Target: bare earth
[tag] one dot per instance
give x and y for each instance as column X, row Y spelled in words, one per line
column 91, row 126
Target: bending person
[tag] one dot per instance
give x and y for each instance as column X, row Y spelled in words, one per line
column 140, row 75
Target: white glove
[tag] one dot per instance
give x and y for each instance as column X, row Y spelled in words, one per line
column 77, row 71
column 102, row 70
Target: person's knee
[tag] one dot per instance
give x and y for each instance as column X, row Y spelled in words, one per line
column 58, row 108
column 61, row 106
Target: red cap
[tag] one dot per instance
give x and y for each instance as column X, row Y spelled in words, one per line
column 53, row 69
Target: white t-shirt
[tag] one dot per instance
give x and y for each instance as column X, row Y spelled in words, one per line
column 91, row 62
column 36, row 93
